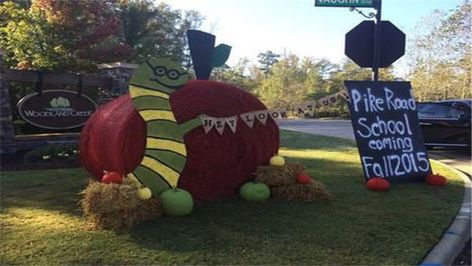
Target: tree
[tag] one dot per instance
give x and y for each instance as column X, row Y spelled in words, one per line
column 267, row 59
column 61, row 34
column 237, row 75
column 76, row 35
column 440, row 56
column 294, row 80
column 157, row 30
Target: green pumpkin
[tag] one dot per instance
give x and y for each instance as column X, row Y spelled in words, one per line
column 254, row 191
column 176, row 202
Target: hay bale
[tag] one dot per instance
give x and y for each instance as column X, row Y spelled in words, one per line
column 116, row 206
column 299, row 192
column 294, row 169
column 275, row 176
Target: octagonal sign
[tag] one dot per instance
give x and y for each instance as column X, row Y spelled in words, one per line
column 359, row 44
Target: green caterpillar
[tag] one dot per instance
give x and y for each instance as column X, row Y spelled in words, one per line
column 165, row 154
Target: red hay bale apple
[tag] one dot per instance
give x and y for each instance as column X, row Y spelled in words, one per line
column 114, row 137
column 217, row 165
column 378, row 184
column 436, row 180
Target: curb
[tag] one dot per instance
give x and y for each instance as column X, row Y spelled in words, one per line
column 457, row 235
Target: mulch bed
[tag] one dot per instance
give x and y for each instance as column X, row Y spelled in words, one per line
column 17, row 163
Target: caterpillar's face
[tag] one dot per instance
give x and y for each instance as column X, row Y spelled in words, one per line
column 160, row 73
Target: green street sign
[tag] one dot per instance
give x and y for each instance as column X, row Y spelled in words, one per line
column 345, row 3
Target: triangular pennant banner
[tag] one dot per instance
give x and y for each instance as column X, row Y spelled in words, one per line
column 324, row 101
column 261, row 116
column 277, row 114
column 208, row 122
column 300, row 110
column 231, row 122
column 248, row 119
column 333, row 99
column 220, row 125
column 310, row 108
column 344, row 94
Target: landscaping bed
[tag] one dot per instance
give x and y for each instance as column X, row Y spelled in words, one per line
column 42, row 222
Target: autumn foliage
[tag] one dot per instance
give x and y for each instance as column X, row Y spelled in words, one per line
column 63, row 34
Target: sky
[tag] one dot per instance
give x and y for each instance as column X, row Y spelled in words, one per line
column 297, row 26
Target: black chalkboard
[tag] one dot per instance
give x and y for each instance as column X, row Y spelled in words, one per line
column 387, row 131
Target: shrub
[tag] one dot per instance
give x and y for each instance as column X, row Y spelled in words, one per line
column 59, row 151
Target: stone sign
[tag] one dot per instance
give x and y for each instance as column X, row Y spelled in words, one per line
column 56, row 109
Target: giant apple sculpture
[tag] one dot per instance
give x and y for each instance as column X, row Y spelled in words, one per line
column 113, row 139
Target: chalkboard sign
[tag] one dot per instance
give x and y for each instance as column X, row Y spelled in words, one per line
column 387, row 131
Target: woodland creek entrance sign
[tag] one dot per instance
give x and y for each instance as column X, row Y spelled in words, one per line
column 344, row 3
column 387, row 131
column 56, row 109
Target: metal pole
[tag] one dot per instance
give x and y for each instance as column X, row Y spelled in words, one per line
column 377, row 34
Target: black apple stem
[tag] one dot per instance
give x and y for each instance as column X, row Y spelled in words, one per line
column 201, row 46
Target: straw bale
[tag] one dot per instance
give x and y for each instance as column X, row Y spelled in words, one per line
column 274, row 176
column 116, row 206
column 302, row 192
column 294, row 169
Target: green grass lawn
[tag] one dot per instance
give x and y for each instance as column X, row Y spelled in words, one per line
column 42, row 224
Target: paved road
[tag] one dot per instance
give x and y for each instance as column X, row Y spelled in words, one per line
column 459, row 159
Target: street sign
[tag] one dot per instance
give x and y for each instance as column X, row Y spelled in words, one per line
column 359, row 44
column 345, row 3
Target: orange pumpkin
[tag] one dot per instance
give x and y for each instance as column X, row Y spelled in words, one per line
column 436, row 180
column 378, row 184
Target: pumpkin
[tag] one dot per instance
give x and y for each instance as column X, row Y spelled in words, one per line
column 217, row 165
column 303, row 179
column 378, row 184
column 254, row 191
column 176, row 202
column 277, row 161
column 436, row 180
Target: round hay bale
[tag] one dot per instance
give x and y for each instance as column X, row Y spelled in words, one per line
column 217, row 165
column 113, row 138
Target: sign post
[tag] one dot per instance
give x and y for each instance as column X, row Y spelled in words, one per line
column 344, row 3
column 383, row 114
column 377, row 36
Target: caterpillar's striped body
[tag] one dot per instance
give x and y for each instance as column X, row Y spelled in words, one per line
column 165, row 153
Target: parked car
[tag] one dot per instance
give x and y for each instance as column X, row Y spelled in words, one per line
column 446, row 123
